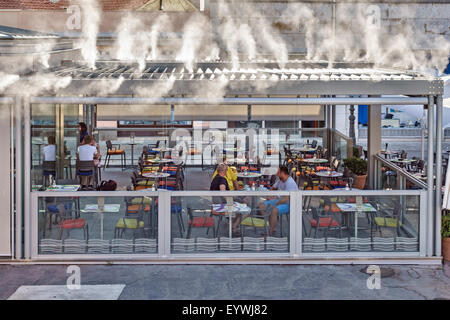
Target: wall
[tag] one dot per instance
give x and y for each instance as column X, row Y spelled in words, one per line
column 429, row 16
column 5, row 174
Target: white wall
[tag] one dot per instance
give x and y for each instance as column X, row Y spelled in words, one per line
column 5, row 196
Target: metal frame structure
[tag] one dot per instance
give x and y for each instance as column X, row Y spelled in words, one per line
column 342, row 84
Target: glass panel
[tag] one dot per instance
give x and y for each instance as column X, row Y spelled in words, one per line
column 202, row 224
column 98, row 225
column 54, row 139
column 360, row 223
column 43, row 141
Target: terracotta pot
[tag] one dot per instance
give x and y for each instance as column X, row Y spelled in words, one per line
column 360, row 182
column 446, row 249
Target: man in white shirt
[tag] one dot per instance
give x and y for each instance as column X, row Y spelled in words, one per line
column 280, row 205
column 87, row 152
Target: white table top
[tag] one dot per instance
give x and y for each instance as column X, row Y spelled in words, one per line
column 351, row 207
column 156, row 175
column 237, row 207
column 159, row 160
column 163, row 149
column 248, row 175
column 110, row 208
column 63, row 188
column 315, row 160
column 332, row 174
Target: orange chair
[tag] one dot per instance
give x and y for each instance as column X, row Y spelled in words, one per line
column 111, row 150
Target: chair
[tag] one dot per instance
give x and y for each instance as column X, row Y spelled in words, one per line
column 48, row 169
column 70, row 220
column 256, row 221
column 85, row 169
column 200, row 221
column 111, row 150
column 325, row 221
column 134, row 217
column 383, row 219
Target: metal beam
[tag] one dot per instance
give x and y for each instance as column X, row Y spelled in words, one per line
column 18, row 181
column 246, row 87
column 373, row 140
column 438, row 204
column 231, row 101
column 27, row 175
column 430, row 173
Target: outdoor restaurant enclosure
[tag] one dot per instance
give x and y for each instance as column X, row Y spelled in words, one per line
column 262, row 100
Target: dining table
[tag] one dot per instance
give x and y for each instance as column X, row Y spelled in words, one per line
column 63, row 188
column 101, row 210
column 402, row 162
column 237, row 207
column 132, row 144
column 156, row 176
column 356, row 209
column 247, row 176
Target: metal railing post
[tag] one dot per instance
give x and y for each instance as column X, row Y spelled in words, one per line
column 438, row 204
column 18, row 181
column 430, row 173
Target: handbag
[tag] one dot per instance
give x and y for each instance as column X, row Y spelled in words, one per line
column 109, row 185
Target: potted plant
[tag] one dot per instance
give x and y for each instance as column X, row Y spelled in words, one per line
column 358, row 167
column 445, row 232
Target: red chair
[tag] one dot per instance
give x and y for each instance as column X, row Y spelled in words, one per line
column 202, row 221
column 323, row 221
column 68, row 222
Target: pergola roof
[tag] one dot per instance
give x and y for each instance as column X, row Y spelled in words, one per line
column 296, row 78
column 10, row 33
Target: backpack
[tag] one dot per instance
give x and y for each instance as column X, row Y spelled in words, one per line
column 109, row 185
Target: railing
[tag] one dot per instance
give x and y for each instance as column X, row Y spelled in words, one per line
column 192, row 225
column 403, row 176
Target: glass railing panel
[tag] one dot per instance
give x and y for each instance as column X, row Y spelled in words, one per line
column 201, row 224
column 350, row 223
column 98, row 225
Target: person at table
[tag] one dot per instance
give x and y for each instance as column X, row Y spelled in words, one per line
column 280, row 205
column 219, row 182
column 83, row 131
column 50, row 149
column 230, row 176
column 87, row 152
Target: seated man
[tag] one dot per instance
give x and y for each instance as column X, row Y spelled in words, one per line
column 230, row 176
column 280, row 205
column 87, row 152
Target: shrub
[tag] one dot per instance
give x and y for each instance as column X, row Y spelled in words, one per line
column 445, row 228
column 356, row 165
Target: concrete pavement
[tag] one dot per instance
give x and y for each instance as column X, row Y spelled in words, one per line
column 285, row 282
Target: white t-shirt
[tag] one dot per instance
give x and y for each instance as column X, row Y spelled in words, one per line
column 288, row 185
column 50, row 152
column 86, row 152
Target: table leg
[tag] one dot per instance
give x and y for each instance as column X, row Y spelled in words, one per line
column 101, row 226
column 230, row 225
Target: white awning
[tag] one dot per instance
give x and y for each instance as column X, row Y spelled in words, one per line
column 135, row 112
column 295, row 113
column 210, row 113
